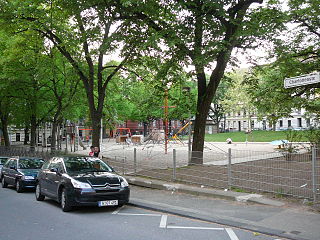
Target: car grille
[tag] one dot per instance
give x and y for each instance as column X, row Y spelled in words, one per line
column 102, row 182
column 106, row 188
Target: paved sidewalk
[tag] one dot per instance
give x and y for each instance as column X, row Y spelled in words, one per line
column 248, row 211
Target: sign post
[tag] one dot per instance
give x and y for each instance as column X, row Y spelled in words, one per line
column 302, row 80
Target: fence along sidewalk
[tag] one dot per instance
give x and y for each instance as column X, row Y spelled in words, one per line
column 293, row 174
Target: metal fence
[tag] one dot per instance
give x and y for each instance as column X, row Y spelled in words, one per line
column 280, row 173
column 27, row 152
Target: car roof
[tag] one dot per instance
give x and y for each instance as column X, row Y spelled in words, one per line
column 79, row 157
column 23, row 158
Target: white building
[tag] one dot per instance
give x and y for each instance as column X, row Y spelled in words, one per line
column 241, row 121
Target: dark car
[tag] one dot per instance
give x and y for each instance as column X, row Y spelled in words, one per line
column 81, row 181
column 20, row 172
column 3, row 161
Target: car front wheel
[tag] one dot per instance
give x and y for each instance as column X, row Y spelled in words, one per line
column 19, row 187
column 65, row 202
column 39, row 196
column 4, row 183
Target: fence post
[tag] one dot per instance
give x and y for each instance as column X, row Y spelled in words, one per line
column 174, row 165
column 123, row 165
column 229, row 169
column 314, row 173
column 135, row 161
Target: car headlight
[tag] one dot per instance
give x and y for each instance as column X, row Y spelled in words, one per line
column 78, row 184
column 124, row 183
column 27, row 177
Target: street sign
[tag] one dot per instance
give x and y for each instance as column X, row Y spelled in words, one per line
column 302, row 80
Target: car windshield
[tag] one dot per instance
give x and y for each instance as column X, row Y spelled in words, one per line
column 86, row 165
column 30, row 163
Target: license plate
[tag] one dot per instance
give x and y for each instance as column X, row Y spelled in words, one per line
column 108, row 203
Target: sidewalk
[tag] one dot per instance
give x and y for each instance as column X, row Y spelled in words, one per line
column 247, row 211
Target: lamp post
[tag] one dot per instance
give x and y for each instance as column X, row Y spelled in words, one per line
column 187, row 90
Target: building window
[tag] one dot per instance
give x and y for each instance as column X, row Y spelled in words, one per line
column 289, row 123
column 299, row 122
column 281, row 123
column 18, row 137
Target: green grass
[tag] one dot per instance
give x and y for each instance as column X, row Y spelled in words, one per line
column 255, row 136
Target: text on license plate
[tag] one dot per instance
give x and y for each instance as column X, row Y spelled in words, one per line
column 108, row 203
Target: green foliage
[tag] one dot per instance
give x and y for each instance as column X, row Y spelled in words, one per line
column 313, row 136
column 236, row 98
column 264, row 86
column 133, row 99
column 296, row 54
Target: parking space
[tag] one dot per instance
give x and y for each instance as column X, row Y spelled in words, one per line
column 189, row 227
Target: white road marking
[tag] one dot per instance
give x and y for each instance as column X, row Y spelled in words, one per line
column 139, row 214
column 116, row 211
column 163, row 222
column 164, row 219
column 231, row 234
column 195, row 228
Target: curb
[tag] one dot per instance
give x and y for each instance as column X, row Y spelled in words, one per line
column 199, row 191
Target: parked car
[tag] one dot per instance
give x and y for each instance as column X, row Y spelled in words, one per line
column 3, row 161
column 20, row 172
column 81, row 181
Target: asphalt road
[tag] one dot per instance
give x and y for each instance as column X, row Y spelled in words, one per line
column 22, row 217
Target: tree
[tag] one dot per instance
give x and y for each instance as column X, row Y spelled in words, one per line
column 270, row 101
column 5, row 101
column 84, row 33
column 21, row 66
column 62, row 84
column 218, row 109
column 203, row 34
column 296, row 54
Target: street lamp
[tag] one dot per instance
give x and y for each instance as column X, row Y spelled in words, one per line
column 187, row 90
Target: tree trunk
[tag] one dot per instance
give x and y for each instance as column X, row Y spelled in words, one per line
column 4, row 124
column 199, row 134
column 145, row 129
column 54, row 134
column 33, row 138
column 96, row 127
column 26, row 135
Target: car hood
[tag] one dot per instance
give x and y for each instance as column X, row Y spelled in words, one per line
column 97, row 178
column 29, row 172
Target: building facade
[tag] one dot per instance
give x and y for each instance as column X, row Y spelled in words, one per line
column 241, row 121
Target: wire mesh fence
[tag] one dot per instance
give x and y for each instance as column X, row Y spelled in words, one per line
column 281, row 173
column 25, row 152
column 289, row 174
